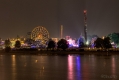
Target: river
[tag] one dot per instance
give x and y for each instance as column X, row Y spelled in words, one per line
column 68, row 67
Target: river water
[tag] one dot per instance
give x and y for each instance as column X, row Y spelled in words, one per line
column 68, row 67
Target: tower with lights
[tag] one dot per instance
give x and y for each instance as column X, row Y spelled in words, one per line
column 85, row 25
column 61, row 33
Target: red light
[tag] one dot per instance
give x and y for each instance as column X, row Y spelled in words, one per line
column 85, row 11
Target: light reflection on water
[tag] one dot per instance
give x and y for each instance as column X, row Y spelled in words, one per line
column 70, row 67
column 78, row 68
column 13, row 67
column 113, row 65
column 74, row 68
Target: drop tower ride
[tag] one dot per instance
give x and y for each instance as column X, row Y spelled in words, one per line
column 85, row 25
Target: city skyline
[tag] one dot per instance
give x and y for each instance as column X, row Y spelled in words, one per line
column 20, row 17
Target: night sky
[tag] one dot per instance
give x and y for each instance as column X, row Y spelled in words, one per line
column 17, row 17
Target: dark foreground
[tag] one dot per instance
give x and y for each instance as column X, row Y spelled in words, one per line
column 59, row 67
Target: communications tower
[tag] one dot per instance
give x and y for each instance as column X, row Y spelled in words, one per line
column 85, row 25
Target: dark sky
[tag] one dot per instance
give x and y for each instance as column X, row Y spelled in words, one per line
column 17, row 17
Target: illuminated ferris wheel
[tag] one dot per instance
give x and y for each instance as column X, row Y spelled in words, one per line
column 40, row 33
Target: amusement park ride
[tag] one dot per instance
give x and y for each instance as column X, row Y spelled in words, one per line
column 40, row 33
column 85, row 25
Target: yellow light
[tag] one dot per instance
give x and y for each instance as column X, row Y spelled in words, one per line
column 87, row 43
column 103, row 37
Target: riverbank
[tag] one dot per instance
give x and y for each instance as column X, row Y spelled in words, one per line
column 57, row 52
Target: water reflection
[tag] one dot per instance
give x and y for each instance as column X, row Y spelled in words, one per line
column 85, row 68
column 71, row 67
column 2, row 68
column 113, row 66
column 13, row 67
column 74, row 68
column 78, row 68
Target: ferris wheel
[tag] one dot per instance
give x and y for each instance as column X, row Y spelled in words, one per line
column 40, row 33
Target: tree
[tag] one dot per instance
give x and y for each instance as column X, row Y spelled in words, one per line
column 107, row 43
column 103, row 43
column 99, row 43
column 114, row 38
column 7, row 45
column 17, row 44
column 62, row 44
column 51, row 44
